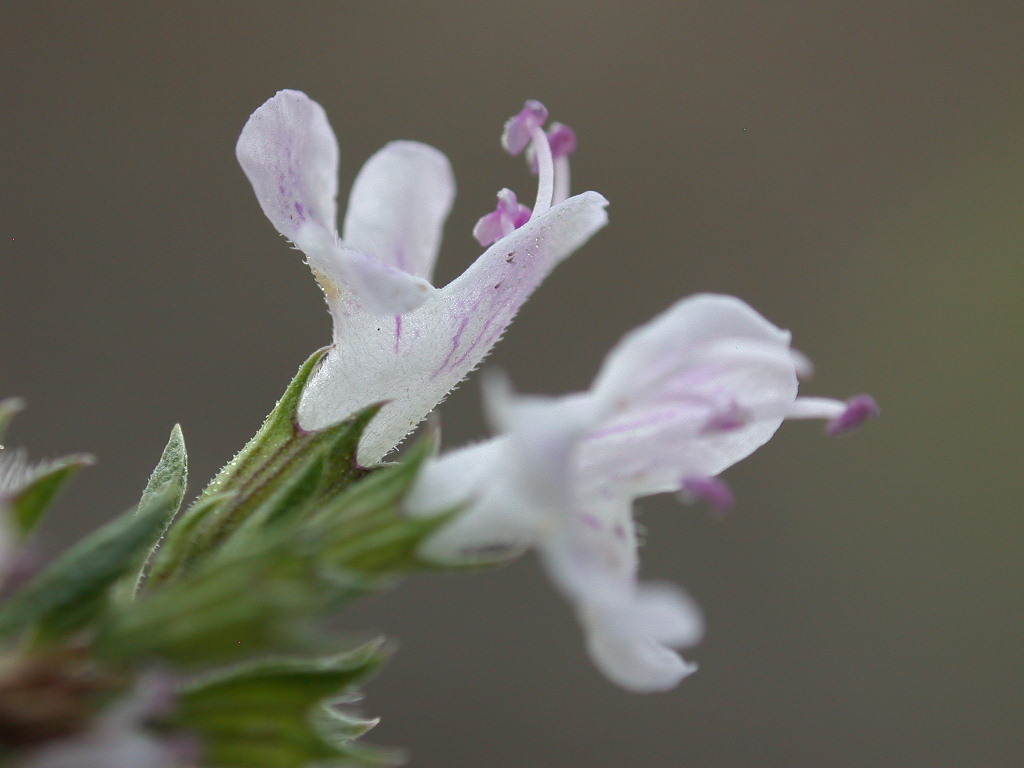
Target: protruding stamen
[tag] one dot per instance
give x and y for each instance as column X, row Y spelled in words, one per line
column 519, row 129
column 505, row 219
column 710, row 489
column 526, row 130
column 859, row 409
column 545, row 171
column 561, row 139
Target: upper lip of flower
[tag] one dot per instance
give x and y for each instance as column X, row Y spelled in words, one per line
column 396, row 337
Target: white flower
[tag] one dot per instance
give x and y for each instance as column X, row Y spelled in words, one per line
column 396, row 337
column 676, row 402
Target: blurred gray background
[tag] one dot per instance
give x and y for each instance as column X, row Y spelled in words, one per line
column 853, row 170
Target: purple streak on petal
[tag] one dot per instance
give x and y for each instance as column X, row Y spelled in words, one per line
column 710, row 489
column 455, row 343
column 650, row 420
column 727, row 419
column 591, row 521
column 398, row 331
column 859, row 409
column 490, row 332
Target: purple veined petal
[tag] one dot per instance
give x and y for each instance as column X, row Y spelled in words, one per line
column 586, row 555
column 398, row 205
column 688, row 394
column 290, row 155
column 653, row 353
column 483, row 300
column 414, row 360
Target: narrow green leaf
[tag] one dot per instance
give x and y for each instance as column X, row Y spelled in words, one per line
column 74, row 588
column 171, row 473
column 284, row 477
column 278, row 428
column 28, row 505
column 175, row 548
column 243, row 601
column 344, row 442
column 291, row 500
column 364, row 530
column 170, row 476
column 273, row 713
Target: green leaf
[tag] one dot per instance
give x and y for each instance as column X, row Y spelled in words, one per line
column 278, row 429
column 245, row 601
column 28, row 505
column 282, row 713
column 37, row 486
column 266, row 471
column 289, row 502
column 73, row 590
column 365, row 530
column 170, row 476
column 295, row 560
column 171, row 473
column 175, row 547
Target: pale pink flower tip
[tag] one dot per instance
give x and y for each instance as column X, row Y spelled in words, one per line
column 859, row 409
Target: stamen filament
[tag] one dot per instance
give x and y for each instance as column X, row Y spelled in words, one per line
column 561, row 193
column 545, row 170
column 815, row 408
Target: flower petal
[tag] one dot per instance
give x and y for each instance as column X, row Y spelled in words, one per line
column 483, row 300
column 649, row 361
column 630, row 642
column 398, row 206
column 290, row 154
column 689, row 394
column 375, row 286
column 415, row 360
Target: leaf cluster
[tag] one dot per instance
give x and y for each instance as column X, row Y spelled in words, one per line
column 228, row 596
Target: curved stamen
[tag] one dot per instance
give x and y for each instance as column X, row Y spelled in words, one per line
column 563, row 143
column 545, row 171
column 547, row 154
column 842, row 417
